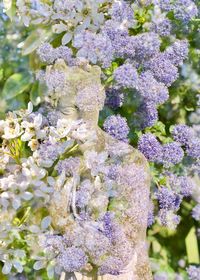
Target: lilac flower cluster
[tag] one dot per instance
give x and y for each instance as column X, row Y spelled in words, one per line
column 187, row 138
column 117, row 127
column 126, row 76
column 168, row 199
column 48, row 54
column 94, row 47
column 183, row 185
column 167, row 154
column 183, row 10
column 169, row 203
column 72, row 259
column 114, row 98
column 193, row 272
column 68, row 166
column 196, row 212
column 168, row 218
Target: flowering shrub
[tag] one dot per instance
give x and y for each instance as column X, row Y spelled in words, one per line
column 145, row 55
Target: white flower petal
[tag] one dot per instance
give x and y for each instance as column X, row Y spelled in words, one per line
column 66, row 38
column 46, row 221
column 7, row 268
column 18, row 266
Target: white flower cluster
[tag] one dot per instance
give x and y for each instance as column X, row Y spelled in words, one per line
column 67, row 16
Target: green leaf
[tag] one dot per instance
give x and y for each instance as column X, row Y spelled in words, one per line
column 1, row 74
column 34, row 40
column 171, row 128
column 10, row 8
column 192, row 247
column 16, row 84
column 160, row 127
column 34, row 94
column 156, row 246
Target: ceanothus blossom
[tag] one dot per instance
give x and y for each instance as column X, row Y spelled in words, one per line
column 150, row 147
column 168, row 199
column 193, row 272
column 126, row 76
column 196, row 212
column 114, row 98
column 117, row 127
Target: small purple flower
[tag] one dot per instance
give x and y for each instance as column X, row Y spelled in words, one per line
column 72, row 259
column 185, row 10
column 150, row 147
column 182, row 134
column 152, row 90
column 146, row 45
column 46, row 53
column 112, row 265
column 117, row 127
column 94, row 47
column 121, row 11
column 168, row 199
column 123, row 44
column 108, row 225
column 168, row 218
column 196, row 212
column 163, row 69
column 187, row 186
column 151, row 219
column 177, row 52
column 69, row 165
column 65, row 53
column 162, row 26
column 172, row 153
column 126, row 76
column 193, row 272
column 193, row 149
column 147, row 115
column 114, row 98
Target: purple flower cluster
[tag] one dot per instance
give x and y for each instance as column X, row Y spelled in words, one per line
column 187, row 138
column 168, row 218
column 182, row 134
column 196, row 212
column 172, row 153
column 183, row 10
column 83, row 195
column 114, row 98
column 68, row 166
column 193, row 272
column 163, row 69
column 48, row 54
column 72, row 259
column 161, row 26
column 167, row 154
column 126, row 76
column 151, row 90
column 150, row 147
column 147, row 115
column 168, row 199
column 144, row 67
column 94, row 47
column 182, row 185
column 117, row 127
